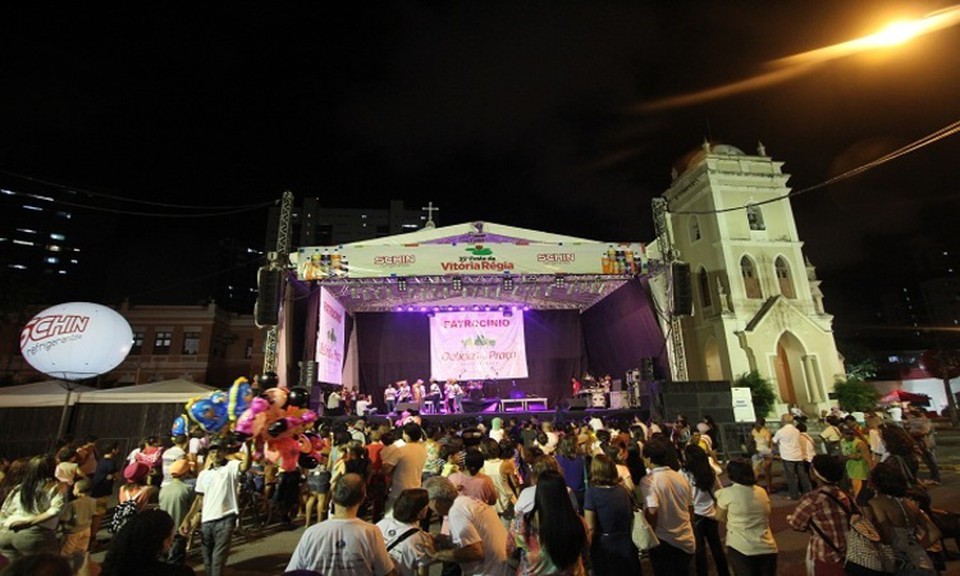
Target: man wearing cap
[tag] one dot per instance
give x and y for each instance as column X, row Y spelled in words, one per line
column 176, row 496
column 217, row 500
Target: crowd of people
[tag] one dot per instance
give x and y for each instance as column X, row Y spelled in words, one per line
column 518, row 496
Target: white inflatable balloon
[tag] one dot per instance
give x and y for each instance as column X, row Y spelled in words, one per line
column 76, row 340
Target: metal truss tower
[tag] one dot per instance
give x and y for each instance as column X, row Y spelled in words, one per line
column 678, row 357
column 278, row 261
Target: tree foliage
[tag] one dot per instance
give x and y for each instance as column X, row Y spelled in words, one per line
column 761, row 391
column 854, row 393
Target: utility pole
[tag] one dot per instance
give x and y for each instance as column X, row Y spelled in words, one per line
column 678, row 357
column 277, row 261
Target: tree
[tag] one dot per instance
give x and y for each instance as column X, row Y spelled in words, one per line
column 761, row 392
column 854, row 394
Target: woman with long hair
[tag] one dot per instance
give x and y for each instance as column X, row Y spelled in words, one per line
column 30, row 513
column 608, row 508
column 856, row 453
column 704, row 485
column 901, row 451
column 552, row 536
column 901, row 523
column 139, row 545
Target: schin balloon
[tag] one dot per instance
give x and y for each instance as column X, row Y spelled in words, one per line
column 76, row 340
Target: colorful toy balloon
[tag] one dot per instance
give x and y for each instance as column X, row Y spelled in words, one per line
column 180, row 426
column 210, row 411
column 76, row 340
column 241, row 394
column 299, row 397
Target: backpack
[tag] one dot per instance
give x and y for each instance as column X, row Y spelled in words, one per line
column 124, row 511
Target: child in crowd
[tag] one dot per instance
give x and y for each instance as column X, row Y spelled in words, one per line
column 77, row 517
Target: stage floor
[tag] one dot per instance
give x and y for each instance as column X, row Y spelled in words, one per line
column 607, row 414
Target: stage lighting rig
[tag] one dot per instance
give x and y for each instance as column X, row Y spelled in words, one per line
column 401, row 284
column 457, row 283
column 559, row 281
column 507, row 282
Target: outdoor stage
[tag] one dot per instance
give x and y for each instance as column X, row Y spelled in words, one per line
column 607, row 414
column 476, row 301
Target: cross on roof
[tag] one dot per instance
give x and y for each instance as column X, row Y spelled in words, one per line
column 430, row 210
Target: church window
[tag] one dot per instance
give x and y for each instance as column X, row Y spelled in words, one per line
column 694, row 229
column 751, row 283
column 755, row 217
column 703, row 282
column 783, row 277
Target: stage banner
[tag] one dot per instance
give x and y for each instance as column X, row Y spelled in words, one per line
column 377, row 261
column 330, row 339
column 477, row 346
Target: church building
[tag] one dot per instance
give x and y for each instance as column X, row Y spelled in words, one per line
column 756, row 299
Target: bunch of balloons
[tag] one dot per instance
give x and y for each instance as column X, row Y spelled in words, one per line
column 276, row 421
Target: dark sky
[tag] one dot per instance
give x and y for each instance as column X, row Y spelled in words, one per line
column 524, row 113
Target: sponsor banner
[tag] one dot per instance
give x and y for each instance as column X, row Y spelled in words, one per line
column 330, row 342
column 477, row 345
column 357, row 261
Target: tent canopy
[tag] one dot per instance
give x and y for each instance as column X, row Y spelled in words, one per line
column 164, row 392
column 904, row 396
column 41, row 394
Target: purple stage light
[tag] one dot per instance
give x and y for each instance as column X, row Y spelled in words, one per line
column 463, row 308
column 526, row 308
column 399, row 308
column 515, row 307
column 409, row 308
column 423, row 308
column 476, row 308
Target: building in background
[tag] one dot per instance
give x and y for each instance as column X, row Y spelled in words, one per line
column 314, row 225
column 757, row 303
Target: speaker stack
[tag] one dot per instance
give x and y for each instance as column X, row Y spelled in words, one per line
column 267, row 308
column 682, row 290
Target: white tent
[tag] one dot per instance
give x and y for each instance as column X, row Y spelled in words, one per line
column 48, row 393
column 164, row 392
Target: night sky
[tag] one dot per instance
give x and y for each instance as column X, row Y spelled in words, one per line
column 532, row 114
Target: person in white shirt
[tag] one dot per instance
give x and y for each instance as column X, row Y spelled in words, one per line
column 704, row 485
column 667, row 503
column 217, row 494
column 403, row 464
column 552, row 438
column 390, row 398
column 410, row 547
column 745, row 507
column 333, row 403
column 344, row 544
column 788, row 440
column 478, row 538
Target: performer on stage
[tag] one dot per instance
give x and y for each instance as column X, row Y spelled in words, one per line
column 448, row 395
column 390, row 397
column 576, row 387
column 434, row 396
column 403, row 392
column 457, row 397
column 418, row 394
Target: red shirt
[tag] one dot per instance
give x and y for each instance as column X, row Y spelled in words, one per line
column 823, row 511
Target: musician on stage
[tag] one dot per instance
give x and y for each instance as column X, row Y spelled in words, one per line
column 417, row 392
column 448, row 396
column 576, row 387
column 457, row 397
column 435, row 396
column 403, row 392
column 390, row 397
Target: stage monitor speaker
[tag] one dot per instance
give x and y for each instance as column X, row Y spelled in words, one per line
column 682, row 290
column 695, row 399
column 578, row 403
column 268, row 298
column 411, row 406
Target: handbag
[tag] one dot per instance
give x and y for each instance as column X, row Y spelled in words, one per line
column 642, row 534
column 866, row 553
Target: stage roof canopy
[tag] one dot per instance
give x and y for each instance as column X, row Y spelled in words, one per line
column 471, row 264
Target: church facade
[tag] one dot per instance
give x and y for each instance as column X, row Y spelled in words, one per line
column 756, row 300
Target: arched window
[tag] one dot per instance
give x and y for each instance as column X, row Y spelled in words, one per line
column 755, row 217
column 783, row 277
column 704, row 284
column 694, row 229
column 751, row 283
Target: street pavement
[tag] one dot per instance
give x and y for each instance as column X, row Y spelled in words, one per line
column 267, row 552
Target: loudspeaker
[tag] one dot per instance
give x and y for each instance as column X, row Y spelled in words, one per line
column 408, row 406
column 577, row 404
column 308, row 374
column 647, row 369
column 682, row 291
column 267, row 308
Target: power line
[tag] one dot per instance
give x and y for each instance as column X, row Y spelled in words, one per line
column 162, row 215
column 940, row 134
column 76, row 189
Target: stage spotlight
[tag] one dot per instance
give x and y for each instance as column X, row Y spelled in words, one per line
column 423, row 308
column 507, row 282
column 463, row 308
column 399, row 308
column 526, row 308
column 559, row 281
column 457, row 283
column 476, row 308
column 401, row 284
column 409, row 308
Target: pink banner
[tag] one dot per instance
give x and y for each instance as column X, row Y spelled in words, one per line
column 477, row 345
column 330, row 344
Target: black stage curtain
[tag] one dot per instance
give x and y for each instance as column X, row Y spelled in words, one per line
column 396, row 346
column 623, row 328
